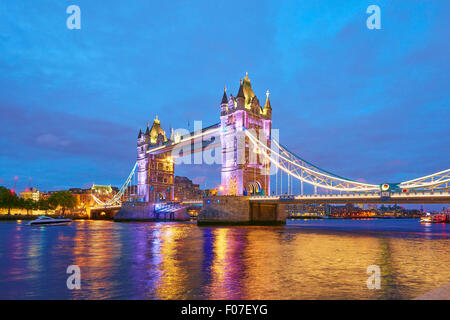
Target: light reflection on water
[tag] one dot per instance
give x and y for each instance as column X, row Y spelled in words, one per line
column 312, row 259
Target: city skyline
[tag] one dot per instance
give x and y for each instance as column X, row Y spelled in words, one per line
column 74, row 100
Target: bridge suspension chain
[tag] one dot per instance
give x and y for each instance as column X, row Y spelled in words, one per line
column 320, row 177
column 98, row 201
column 439, row 180
column 118, row 196
column 306, row 172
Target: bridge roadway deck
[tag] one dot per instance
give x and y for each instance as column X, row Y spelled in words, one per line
column 413, row 197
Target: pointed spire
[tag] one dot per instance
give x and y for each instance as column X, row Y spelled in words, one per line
column 247, row 89
column 155, row 131
column 140, row 133
column 267, row 105
column 147, row 132
column 224, row 98
column 241, row 91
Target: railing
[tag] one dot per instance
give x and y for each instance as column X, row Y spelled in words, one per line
column 372, row 195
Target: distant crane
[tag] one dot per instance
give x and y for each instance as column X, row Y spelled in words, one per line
column 15, row 184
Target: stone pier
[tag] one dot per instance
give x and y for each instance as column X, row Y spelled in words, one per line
column 136, row 211
column 148, row 211
column 233, row 210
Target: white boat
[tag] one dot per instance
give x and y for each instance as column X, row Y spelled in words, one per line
column 48, row 221
column 435, row 218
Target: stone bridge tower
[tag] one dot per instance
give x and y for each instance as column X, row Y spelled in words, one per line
column 155, row 171
column 244, row 170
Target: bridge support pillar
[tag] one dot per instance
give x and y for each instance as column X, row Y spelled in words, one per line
column 235, row 210
column 244, row 170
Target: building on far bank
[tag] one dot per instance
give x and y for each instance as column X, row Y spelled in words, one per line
column 32, row 194
column 307, row 210
column 184, row 189
column 350, row 210
column 83, row 197
column 209, row 192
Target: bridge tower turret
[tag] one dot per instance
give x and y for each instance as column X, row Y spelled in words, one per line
column 224, row 103
column 155, row 171
column 244, row 171
column 142, row 163
column 240, row 98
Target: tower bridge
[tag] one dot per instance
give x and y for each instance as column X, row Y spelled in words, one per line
column 251, row 158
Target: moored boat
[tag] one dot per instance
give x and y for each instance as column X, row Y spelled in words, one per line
column 435, row 218
column 48, row 221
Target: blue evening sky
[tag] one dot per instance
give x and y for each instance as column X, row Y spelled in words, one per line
column 371, row 105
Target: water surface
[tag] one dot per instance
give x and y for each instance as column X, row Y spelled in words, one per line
column 306, row 259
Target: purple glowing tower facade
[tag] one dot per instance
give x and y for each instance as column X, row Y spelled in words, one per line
column 244, row 171
column 154, row 171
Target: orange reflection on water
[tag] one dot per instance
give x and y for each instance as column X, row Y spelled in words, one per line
column 308, row 265
column 173, row 279
column 420, row 265
column 96, row 253
column 221, row 264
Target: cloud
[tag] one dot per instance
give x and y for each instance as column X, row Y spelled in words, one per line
column 199, row 180
column 45, row 132
column 46, row 139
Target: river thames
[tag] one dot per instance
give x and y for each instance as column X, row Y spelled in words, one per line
column 306, row 259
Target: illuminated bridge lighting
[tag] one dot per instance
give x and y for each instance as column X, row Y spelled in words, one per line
column 306, row 172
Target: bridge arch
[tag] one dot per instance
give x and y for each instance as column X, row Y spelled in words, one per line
column 159, row 196
column 254, row 188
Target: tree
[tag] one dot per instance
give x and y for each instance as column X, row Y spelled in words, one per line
column 63, row 199
column 43, row 204
column 27, row 204
column 8, row 199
